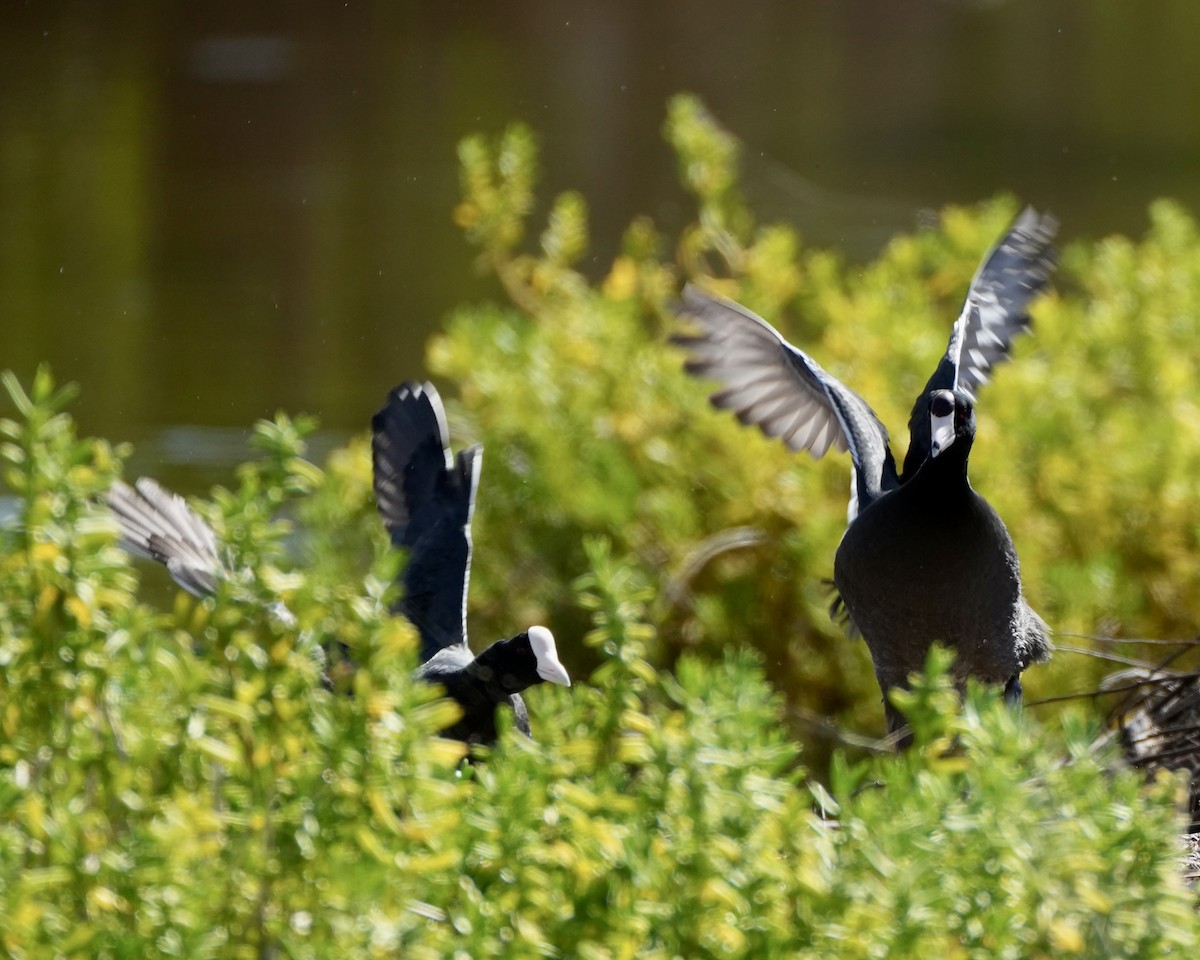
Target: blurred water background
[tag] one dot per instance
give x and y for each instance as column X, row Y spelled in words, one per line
column 212, row 211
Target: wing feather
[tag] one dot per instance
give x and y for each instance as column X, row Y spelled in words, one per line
column 770, row 384
column 996, row 311
column 427, row 498
column 159, row 525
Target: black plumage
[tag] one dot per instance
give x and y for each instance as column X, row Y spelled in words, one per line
column 924, row 557
column 426, row 498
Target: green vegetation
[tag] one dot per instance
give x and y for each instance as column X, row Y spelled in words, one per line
column 1088, row 441
column 182, row 783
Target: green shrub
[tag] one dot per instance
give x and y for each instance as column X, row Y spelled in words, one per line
column 1087, row 441
column 183, row 783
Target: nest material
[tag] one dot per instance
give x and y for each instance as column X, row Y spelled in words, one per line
column 1158, row 720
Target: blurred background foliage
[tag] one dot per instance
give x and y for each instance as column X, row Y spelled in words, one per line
column 1087, row 440
column 260, row 221
column 182, row 782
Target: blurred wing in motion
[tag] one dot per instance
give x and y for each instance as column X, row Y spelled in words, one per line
column 770, row 384
column 159, row 525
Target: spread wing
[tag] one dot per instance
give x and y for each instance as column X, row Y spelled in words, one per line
column 159, row 525
column 770, row 384
column 1015, row 271
column 426, row 499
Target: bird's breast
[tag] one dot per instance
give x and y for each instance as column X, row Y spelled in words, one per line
column 910, row 576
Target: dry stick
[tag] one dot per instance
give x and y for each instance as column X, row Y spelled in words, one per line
column 832, row 731
column 1100, row 692
column 1127, row 702
column 1100, row 655
column 1097, row 638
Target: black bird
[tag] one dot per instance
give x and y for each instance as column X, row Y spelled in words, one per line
column 426, row 498
column 924, row 557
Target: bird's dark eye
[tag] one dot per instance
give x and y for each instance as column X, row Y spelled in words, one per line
column 941, row 404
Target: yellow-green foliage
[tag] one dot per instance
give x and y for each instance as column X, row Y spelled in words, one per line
column 187, row 784
column 1087, row 441
column 184, row 784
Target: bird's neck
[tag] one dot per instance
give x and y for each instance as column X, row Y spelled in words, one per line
column 948, row 470
column 487, row 670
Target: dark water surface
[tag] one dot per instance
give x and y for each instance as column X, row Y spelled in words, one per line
column 212, row 211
